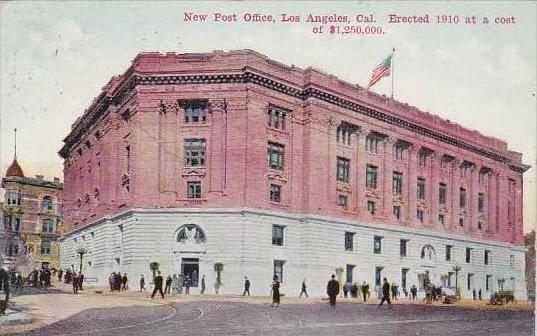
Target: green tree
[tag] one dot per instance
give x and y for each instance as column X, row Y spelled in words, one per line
column 154, row 266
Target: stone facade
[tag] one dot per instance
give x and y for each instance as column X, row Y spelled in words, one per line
column 265, row 143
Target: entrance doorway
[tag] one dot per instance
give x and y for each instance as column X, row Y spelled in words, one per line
column 190, row 268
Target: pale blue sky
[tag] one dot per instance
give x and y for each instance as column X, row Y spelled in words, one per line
column 56, row 56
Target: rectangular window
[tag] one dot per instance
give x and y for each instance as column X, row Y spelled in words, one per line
column 488, row 282
column 16, row 224
column 195, row 111
column 194, row 152
column 441, row 218
column 398, row 152
column 402, row 247
column 480, row 202
column 419, row 215
column 486, row 257
column 275, row 155
column 13, row 197
column 449, row 251
column 275, row 193
column 462, row 198
column 371, row 144
column 512, row 261
column 422, row 159
column 461, row 222
column 278, row 269
column 344, row 132
column 47, row 203
column 48, row 226
column 194, row 189
column 397, row 211
column 350, row 270
column 468, row 255
column 343, row 167
column 469, row 283
column 371, row 207
column 397, row 183
column 378, row 275
column 45, row 247
column 442, row 193
column 377, row 245
column 276, row 117
column 342, row 201
column 349, row 241
column 404, row 272
column 421, row 188
column 371, row 177
column 277, row 235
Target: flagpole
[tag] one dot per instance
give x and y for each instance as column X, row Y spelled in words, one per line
column 393, row 68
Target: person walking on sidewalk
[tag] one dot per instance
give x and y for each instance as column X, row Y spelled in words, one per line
column 75, row 283
column 124, row 282
column 246, row 286
column 275, row 291
column 203, row 284
column 142, row 283
column 187, row 284
column 304, row 291
column 168, row 286
column 332, row 289
column 365, row 290
column 158, row 285
column 385, row 293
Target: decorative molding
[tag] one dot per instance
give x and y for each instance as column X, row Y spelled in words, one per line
column 187, row 172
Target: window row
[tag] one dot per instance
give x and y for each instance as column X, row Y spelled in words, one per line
column 13, row 248
column 14, row 197
column 14, row 224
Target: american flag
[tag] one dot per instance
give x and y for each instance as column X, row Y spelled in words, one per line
column 382, row 70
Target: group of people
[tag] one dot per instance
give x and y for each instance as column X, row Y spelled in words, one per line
column 40, row 278
column 118, row 282
column 174, row 284
column 77, row 279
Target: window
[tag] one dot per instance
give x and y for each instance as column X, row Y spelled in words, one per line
column 442, row 193
column 47, row 203
column 449, row 252
column 421, row 188
column 276, row 117
column 512, row 261
column 48, row 226
column 275, row 156
column 461, row 222
column 371, row 207
column 377, row 244
column 15, row 224
column 398, row 151
column 487, row 257
column 45, row 247
column 195, row 152
column 349, row 269
column 419, row 215
column 468, row 255
column 378, row 275
column 371, row 177
column 480, row 224
column 195, row 111
column 343, row 169
column 404, row 272
column 194, row 189
column 488, row 282
column 277, row 235
column 422, row 158
column 469, row 282
column 13, row 197
column 342, row 201
column 480, row 202
column 278, row 269
column 349, row 241
column 397, row 183
column 372, row 143
column 275, row 193
column 462, row 197
column 344, row 132
column 13, row 249
column 402, row 247
column 397, row 211
column 441, row 219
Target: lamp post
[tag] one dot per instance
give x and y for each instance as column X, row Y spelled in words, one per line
column 81, row 251
column 457, row 268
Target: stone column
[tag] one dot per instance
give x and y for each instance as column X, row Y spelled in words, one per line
column 473, row 193
column 492, row 203
column 387, row 194
column 434, row 185
column 360, row 166
column 503, row 191
column 217, row 112
column 411, row 183
column 454, row 195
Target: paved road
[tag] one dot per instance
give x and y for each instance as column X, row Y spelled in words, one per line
column 243, row 318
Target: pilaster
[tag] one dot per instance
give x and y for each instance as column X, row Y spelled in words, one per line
column 387, row 194
column 217, row 114
column 434, row 186
column 411, row 182
column 454, row 195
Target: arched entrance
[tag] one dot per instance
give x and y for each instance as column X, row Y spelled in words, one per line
column 189, row 252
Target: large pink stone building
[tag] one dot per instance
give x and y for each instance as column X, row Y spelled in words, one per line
column 228, row 164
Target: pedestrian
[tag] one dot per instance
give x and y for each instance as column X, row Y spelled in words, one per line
column 354, row 290
column 414, row 292
column 275, row 291
column 346, row 289
column 385, row 293
column 246, row 286
column 303, row 291
column 394, row 291
column 479, row 294
column 142, row 283
column 187, row 284
column 75, row 283
column 60, row 273
column 474, row 294
column 168, row 286
column 80, row 280
column 365, row 290
column 117, row 282
column 158, row 285
column 18, row 284
column 124, row 282
column 203, row 284
column 111, row 280
column 332, row 289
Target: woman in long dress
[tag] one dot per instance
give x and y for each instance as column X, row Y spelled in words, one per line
column 275, row 290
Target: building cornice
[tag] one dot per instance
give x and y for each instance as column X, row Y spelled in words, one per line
column 250, row 75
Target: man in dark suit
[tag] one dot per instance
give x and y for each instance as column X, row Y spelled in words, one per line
column 332, row 289
column 385, row 293
column 158, row 285
column 246, row 286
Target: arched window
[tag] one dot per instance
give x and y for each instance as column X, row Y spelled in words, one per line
column 48, row 226
column 45, row 247
column 190, row 233
column 47, row 203
column 428, row 252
